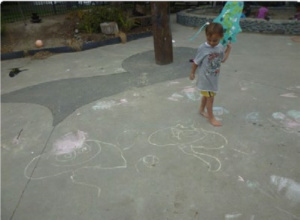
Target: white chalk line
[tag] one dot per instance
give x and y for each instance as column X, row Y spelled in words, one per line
column 176, row 134
column 85, row 167
column 85, row 184
column 146, row 163
column 130, row 146
column 290, row 214
column 204, row 161
column 239, row 151
column 71, row 165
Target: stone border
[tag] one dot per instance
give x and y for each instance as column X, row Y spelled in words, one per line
column 286, row 27
column 66, row 49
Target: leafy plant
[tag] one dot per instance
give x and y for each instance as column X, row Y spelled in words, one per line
column 90, row 20
column 126, row 23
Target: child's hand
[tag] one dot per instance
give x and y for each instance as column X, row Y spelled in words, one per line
column 192, row 76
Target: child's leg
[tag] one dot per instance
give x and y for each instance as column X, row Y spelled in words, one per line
column 202, row 107
column 209, row 107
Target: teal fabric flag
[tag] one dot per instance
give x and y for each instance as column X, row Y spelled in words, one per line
column 230, row 20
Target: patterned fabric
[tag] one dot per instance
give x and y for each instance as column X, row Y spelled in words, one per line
column 230, row 20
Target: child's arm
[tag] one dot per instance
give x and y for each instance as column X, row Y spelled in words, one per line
column 227, row 52
column 194, row 67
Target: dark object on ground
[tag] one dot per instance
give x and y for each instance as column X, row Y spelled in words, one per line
column 15, row 71
column 35, row 18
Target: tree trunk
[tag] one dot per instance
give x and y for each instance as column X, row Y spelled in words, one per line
column 162, row 35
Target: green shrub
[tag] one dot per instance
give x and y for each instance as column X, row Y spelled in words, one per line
column 126, row 23
column 90, row 20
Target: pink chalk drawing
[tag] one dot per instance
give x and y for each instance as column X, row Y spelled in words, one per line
column 289, row 122
column 72, row 155
column 69, row 143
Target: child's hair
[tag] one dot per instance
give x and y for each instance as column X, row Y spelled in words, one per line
column 214, row 28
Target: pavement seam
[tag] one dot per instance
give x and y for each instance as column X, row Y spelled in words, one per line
column 31, row 175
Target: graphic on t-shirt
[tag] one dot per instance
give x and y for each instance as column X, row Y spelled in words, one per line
column 214, row 63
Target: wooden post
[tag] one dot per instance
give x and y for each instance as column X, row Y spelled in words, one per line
column 162, row 35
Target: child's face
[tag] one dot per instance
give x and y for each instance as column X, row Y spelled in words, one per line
column 213, row 40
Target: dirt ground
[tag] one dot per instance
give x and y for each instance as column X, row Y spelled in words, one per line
column 54, row 31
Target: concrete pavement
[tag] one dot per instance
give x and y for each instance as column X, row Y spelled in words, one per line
column 108, row 134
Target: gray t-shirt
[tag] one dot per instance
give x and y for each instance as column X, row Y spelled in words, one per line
column 208, row 60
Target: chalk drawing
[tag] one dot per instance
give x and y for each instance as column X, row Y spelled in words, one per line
column 278, row 115
column 143, row 79
column 69, row 143
column 172, row 83
column 66, row 158
column 189, row 92
column 220, row 111
column 293, row 87
column 119, row 70
column 240, row 151
column 190, row 141
column 290, row 214
column 104, row 105
column 245, row 85
column 175, row 97
column 86, row 184
column 149, row 161
column 255, row 186
column 241, row 179
column 127, row 139
column 16, row 139
column 108, row 104
column 233, row 215
column 253, row 117
column 294, row 114
column 289, row 122
column 289, row 95
column 289, row 187
column 192, row 93
column 244, row 147
column 4, row 147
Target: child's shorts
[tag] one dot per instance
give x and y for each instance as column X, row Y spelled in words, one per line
column 207, row 93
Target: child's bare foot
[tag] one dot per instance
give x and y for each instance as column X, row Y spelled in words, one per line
column 214, row 122
column 204, row 114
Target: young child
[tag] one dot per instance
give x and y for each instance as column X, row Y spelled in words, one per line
column 209, row 57
column 262, row 12
column 243, row 14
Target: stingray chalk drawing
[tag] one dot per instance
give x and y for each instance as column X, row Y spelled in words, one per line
column 230, row 20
